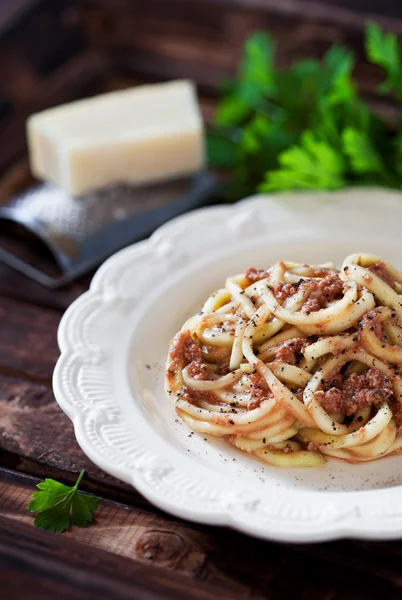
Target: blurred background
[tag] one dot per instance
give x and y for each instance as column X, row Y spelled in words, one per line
column 54, row 51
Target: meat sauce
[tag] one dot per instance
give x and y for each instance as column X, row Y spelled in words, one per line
column 347, row 395
column 290, row 351
column 372, row 320
column 321, row 292
column 342, row 394
column 259, row 391
column 380, row 269
column 185, row 352
column 254, row 275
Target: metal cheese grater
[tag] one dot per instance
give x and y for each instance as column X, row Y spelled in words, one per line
column 82, row 232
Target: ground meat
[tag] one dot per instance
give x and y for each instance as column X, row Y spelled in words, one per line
column 334, row 380
column 372, row 320
column 379, row 268
column 185, row 352
column 199, row 370
column 259, row 391
column 311, row 305
column 288, row 351
column 331, row 401
column 298, row 392
column 194, row 396
column 254, row 275
column 354, row 392
column 396, row 408
column 321, row 291
column 283, row 291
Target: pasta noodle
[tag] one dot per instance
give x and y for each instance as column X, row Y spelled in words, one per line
column 296, row 362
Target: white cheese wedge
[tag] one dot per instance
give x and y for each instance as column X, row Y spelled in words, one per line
column 140, row 135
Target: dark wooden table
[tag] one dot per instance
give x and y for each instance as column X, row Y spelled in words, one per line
column 62, row 50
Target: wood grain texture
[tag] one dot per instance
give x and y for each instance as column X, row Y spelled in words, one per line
column 169, row 545
column 35, row 564
column 36, row 437
column 28, row 343
column 230, row 562
column 204, row 38
column 16, row 179
column 16, row 286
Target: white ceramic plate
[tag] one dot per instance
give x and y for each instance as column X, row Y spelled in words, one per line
column 114, row 341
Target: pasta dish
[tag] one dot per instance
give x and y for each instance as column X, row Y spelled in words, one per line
column 296, row 362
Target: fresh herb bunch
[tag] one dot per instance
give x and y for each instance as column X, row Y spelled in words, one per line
column 306, row 127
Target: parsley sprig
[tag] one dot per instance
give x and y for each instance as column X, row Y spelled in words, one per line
column 58, row 505
column 306, row 127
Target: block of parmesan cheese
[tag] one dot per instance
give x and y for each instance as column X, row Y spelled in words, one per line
column 140, row 135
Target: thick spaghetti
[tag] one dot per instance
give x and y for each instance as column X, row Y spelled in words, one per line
column 296, row 362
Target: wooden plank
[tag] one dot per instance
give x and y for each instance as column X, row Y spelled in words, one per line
column 15, row 180
column 231, row 562
column 332, row 9
column 28, row 343
column 32, row 426
column 12, row 11
column 18, row 79
column 44, row 37
column 36, row 437
column 118, row 528
column 388, row 8
column 41, row 565
column 169, row 545
column 204, row 38
column 150, row 539
column 16, row 286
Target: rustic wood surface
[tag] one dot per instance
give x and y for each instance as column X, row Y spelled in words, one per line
column 234, row 565
column 61, row 50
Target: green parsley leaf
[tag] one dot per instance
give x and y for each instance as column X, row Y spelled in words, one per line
column 221, row 149
column 338, row 63
column 58, row 505
column 310, row 165
column 256, row 78
column 361, row 152
column 232, row 110
column 253, row 82
column 383, row 49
